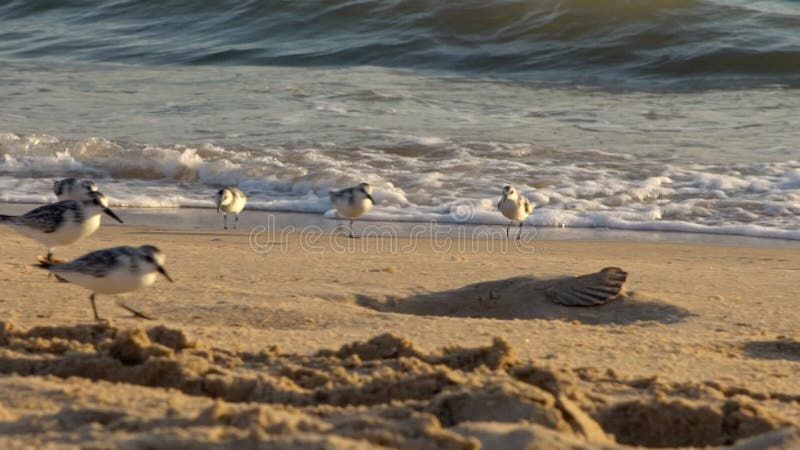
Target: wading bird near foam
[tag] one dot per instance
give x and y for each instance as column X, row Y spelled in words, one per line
column 514, row 207
column 230, row 200
column 352, row 202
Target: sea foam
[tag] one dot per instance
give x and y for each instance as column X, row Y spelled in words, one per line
column 758, row 199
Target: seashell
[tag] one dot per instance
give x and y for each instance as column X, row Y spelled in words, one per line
column 589, row 290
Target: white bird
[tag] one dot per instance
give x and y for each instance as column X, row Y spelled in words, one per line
column 113, row 271
column 353, row 202
column 62, row 223
column 73, row 188
column 515, row 208
column 230, row 200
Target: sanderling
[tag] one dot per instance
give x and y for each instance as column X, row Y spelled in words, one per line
column 230, row 200
column 352, row 202
column 73, row 188
column 113, row 271
column 62, row 223
column 514, row 207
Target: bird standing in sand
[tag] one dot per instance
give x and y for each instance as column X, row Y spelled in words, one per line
column 352, row 202
column 230, row 200
column 514, row 207
column 73, row 189
column 113, row 271
column 62, row 223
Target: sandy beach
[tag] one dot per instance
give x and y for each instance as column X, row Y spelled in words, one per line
column 646, row 152
column 297, row 341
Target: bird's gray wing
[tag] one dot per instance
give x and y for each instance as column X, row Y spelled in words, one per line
column 98, row 263
column 47, row 218
column 350, row 194
column 346, row 193
column 589, row 290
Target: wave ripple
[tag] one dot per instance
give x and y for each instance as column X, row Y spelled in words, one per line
column 675, row 43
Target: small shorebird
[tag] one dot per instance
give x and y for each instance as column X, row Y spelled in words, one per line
column 230, row 200
column 62, row 223
column 73, row 188
column 515, row 208
column 113, row 271
column 353, row 202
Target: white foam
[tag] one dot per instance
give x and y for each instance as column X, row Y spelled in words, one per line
column 427, row 140
column 450, row 182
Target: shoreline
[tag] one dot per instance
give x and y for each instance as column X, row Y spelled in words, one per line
column 189, row 218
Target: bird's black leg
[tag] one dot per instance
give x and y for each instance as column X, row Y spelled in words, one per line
column 519, row 233
column 507, row 228
column 225, row 220
column 47, row 260
column 236, row 222
column 94, row 308
column 134, row 312
column 352, row 236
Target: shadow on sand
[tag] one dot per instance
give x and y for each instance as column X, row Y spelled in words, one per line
column 524, row 298
column 777, row 349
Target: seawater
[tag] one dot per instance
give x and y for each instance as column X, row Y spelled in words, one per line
column 663, row 116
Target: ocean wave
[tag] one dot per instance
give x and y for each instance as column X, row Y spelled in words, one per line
column 677, row 43
column 752, row 199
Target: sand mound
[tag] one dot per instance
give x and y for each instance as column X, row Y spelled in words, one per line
column 527, row 298
column 683, row 423
column 158, row 388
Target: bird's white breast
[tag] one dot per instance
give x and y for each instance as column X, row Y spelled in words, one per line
column 236, row 206
column 513, row 209
column 73, row 231
column 352, row 209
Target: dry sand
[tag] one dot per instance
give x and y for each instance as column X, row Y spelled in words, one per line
column 313, row 345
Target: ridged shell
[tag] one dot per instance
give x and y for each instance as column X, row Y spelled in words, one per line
column 589, row 290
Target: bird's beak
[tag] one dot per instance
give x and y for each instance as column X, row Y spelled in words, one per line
column 370, row 198
column 111, row 213
column 163, row 271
